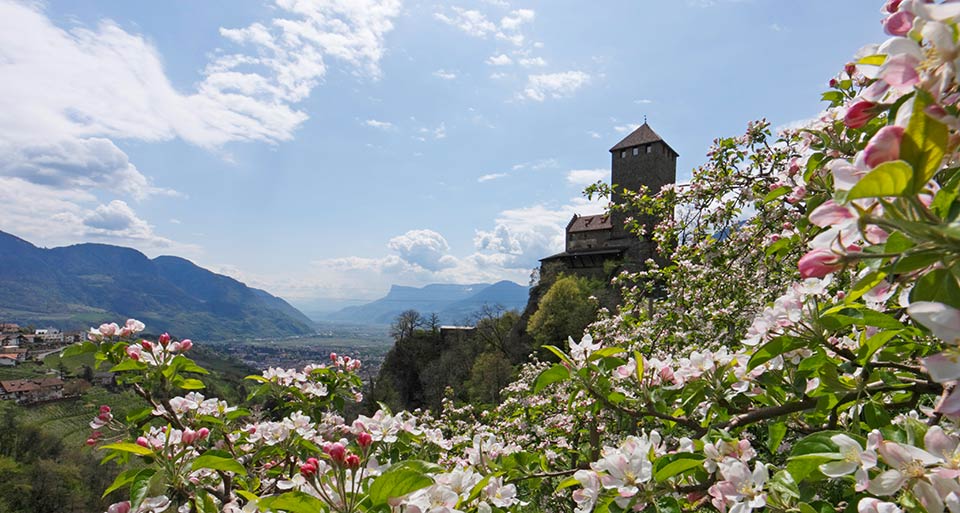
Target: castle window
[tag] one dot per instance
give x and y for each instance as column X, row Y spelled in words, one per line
column 623, row 154
column 636, row 151
column 649, row 148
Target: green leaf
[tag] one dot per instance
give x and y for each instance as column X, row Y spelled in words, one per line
column 294, row 502
column 554, row 374
column 783, row 190
column 139, row 414
column 397, row 482
column 873, row 344
column 939, row 286
column 772, row 349
column 125, row 478
column 637, row 357
column 128, row 447
column 567, row 483
column 864, row 285
column 832, row 96
column 559, row 353
column 775, row 433
column 924, row 142
column 78, row 349
column 140, row 487
column 894, row 178
column 605, row 352
column 673, row 464
column 128, row 365
column 217, row 462
column 191, row 384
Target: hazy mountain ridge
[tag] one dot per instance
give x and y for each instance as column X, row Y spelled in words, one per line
column 453, row 303
column 85, row 284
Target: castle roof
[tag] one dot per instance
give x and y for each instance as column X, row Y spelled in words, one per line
column 642, row 135
column 589, row 223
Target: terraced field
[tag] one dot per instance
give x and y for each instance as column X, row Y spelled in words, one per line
column 69, row 419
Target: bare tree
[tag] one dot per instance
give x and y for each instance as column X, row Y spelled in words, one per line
column 405, row 324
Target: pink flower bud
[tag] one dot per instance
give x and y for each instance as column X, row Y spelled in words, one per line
column 352, row 461
column 884, row 146
column 164, row 339
column 364, row 439
column 832, row 82
column 120, row 507
column 850, row 69
column 203, row 433
column 898, row 24
column 308, row 470
column 188, row 437
column 818, row 263
column 109, row 330
column 104, row 409
column 133, row 352
column 143, row 442
column 146, row 345
column 186, row 344
column 336, row 451
column 859, row 114
column 91, row 442
column 892, row 6
column 333, row 357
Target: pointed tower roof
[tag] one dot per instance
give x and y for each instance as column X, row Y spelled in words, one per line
column 642, row 135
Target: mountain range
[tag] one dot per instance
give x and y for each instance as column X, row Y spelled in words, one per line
column 83, row 285
column 454, row 304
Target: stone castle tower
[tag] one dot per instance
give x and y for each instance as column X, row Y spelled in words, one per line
column 642, row 158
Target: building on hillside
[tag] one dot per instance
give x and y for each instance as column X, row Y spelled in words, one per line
column 641, row 159
column 9, row 327
column 48, row 336
column 27, row 391
column 8, row 360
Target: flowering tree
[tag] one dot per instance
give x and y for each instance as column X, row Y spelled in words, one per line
column 801, row 353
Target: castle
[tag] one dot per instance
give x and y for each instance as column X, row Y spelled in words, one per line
column 642, row 158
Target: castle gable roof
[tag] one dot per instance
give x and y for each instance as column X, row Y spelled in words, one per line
column 589, row 223
column 642, row 135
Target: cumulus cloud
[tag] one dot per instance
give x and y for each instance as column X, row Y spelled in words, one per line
column 77, row 164
column 516, row 19
column 425, row 248
column 532, row 62
column 500, row 60
column 470, row 21
column 586, row 176
column 554, row 85
column 626, row 129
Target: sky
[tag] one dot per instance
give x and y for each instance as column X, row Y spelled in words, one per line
column 326, row 149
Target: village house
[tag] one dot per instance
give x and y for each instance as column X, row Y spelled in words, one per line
column 49, row 336
column 27, row 391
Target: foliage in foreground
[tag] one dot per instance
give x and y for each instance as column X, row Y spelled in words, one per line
column 805, row 360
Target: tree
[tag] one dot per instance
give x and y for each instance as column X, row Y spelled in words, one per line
column 494, row 325
column 405, row 324
column 491, row 372
column 564, row 311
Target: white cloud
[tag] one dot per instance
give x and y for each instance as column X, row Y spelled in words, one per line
column 626, row 129
column 586, row 176
column 470, row 21
column 78, row 163
column 379, row 125
column 498, row 76
column 531, row 62
column 68, row 96
column 516, row 19
column 593, row 135
column 538, row 165
column 643, row 101
column 445, row 75
column 500, row 60
column 554, row 85
column 491, row 176
column 425, row 248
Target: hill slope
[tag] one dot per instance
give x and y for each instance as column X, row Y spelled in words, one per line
column 453, row 303
column 86, row 284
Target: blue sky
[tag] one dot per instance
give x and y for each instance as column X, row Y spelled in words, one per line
column 326, row 149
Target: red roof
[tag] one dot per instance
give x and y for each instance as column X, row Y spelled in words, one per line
column 29, row 385
column 589, row 223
